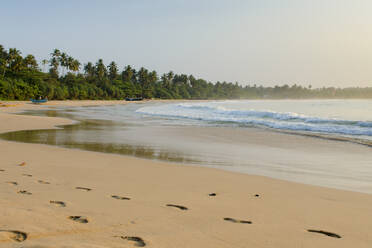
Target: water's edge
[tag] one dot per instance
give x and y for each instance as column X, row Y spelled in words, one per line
column 60, row 137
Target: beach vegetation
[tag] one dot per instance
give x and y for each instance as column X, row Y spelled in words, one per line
column 21, row 78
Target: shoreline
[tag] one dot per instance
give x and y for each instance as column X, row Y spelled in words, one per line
column 25, row 105
column 294, row 157
column 281, row 210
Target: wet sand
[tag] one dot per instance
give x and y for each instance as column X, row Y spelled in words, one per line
column 299, row 158
column 71, row 198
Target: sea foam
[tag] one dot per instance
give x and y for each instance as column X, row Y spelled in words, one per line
column 216, row 112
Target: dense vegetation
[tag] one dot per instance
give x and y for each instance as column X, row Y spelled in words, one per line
column 22, row 78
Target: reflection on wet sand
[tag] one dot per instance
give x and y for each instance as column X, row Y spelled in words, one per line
column 258, row 151
column 91, row 135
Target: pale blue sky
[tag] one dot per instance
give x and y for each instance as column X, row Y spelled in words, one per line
column 318, row 42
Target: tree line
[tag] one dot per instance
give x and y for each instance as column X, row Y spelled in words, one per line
column 63, row 77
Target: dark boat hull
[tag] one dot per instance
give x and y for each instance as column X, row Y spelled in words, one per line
column 39, row 101
column 134, row 99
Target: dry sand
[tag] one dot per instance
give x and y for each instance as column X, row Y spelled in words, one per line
column 32, row 212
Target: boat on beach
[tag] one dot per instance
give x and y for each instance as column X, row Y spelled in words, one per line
column 133, row 99
column 38, row 100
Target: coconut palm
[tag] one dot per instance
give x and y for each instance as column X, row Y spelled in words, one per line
column 56, row 53
column 89, row 69
column 69, row 63
column 153, row 77
column 127, row 74
column 30, row 62
column 55, row 62
column 44, row 62
column 100, row 69
column 63, row 59
column 75, row 65
column 3, row 60
column 14, row 60
column 113, row 70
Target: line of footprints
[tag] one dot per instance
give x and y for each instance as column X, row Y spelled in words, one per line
column 19, row 236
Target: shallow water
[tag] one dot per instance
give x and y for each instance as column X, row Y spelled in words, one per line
column 125, row 129
column 92, row 135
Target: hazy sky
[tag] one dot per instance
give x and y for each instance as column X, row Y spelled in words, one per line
column 318, row 42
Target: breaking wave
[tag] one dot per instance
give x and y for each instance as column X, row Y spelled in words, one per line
column 212, row 112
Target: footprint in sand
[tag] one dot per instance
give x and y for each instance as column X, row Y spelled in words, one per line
column 238, row 221
column 79, row 219
column 43, row 182
column 17, row 236
column 177, row 206
column 83, row 188
column 120, row 197
column 13, row 183
column 25, row 192
column 329, row 234
column 139, row 242
column 27, row 175
column 58, row 203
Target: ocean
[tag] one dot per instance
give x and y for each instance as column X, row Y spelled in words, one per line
column 350, row 118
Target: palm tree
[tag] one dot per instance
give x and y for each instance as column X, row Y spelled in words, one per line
column 167, row 79
column 75, row 65
column 14, row 60
column 3, row 60
column 143, row 78
column 170, row 76
column 55, row 62
column 44, row 62
column 56, row 53
column 63, row 59
column 2, row 50
column 89, row 69
column 101, row 71
column 30, row 62
column 113, row 70
column 70, row 63
column 153, row 77
column 127, row 74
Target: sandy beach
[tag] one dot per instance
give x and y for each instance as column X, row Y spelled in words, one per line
column 56, row 197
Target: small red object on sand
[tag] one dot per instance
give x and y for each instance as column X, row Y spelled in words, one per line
column 22, row 164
